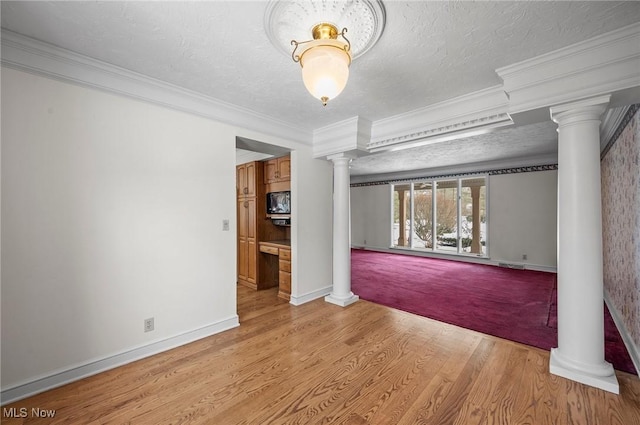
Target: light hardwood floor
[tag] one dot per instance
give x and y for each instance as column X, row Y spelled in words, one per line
column 319, row 363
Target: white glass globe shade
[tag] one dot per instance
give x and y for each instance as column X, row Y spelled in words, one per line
column 325, row 69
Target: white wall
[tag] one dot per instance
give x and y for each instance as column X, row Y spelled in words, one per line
column 112, row 213
column 371, row 216
column 312, row 232
column 522, row 218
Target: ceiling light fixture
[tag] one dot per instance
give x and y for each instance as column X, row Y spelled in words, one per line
column 325, row 61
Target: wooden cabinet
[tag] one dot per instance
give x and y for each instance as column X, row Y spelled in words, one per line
column 276, row 266
column 284, row 274
column 248, row 179
column 247, row 242
column 253, row 227
column 277, row 170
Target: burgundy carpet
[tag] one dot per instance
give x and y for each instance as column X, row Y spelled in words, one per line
column 519, row 305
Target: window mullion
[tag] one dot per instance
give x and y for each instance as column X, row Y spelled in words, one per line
column 411, row 215
column 434, row 217
column 459, row 217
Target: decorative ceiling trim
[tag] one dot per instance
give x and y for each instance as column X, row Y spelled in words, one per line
column 455, row 131
column 617, row 125
column 26, row 54
column 294, row 19
column 604, row 64
column 485, row 109
column 492, row 172
column 610, row 124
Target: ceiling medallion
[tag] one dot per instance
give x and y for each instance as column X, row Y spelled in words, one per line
column 325, row 59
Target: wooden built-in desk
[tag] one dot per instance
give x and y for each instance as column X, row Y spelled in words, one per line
column 275, row 266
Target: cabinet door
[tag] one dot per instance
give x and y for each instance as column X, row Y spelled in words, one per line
column 251, row 218
column 243, row 218
column 284, row 168
column 241, row 179
column 243, row 259
column 251, row 179
column 243, row 243
column 247, row 241
column 252, row 260
column 270, row 171
column 246, row 179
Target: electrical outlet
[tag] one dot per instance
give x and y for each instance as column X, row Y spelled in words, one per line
column 225, row 224
column 148, row 325
column 524, row 256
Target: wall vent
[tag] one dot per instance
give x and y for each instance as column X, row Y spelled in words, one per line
column 512, row 266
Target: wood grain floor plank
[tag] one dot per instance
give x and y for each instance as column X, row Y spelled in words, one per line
column 473, row 410
column 547, row 393
column 435, row 391
column 401, row 390
column 629, row 401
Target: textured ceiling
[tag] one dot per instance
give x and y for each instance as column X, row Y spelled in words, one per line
column 532, row 141
column 429, row 51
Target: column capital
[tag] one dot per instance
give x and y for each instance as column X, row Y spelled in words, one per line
column 341, row 157
column 581, row 110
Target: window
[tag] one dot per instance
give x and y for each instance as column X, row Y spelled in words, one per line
column 444, row 215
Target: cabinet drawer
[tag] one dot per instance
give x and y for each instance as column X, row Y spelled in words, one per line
column 285, row 254
column 285, row 282
column 269, row 249
column 285, row 266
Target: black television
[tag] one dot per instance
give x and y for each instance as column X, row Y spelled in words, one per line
column 279, row 202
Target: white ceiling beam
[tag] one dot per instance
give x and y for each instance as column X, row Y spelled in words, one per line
column 606, row 64
column 347, row 136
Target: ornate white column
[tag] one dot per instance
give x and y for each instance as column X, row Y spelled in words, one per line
column 341, row 293
column 580, row 352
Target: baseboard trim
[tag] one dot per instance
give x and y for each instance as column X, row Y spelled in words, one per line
column 310, row 296
column 456, row 257
column 632, row 349
column 90, row 368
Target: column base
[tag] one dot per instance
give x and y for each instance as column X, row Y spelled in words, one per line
column 599, row 376
column 341, row 301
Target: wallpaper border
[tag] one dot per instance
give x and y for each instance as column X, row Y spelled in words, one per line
column 623, row 124
column 496, row 172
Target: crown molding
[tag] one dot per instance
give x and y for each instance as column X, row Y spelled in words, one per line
column 484, row 109
column 610, row 123
column 26, row 54
column 618, row 120
column 350, row 135
column 604, row 64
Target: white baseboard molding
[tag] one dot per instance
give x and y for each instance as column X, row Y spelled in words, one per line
column 632, row 349
column 456, row 257
column 536, row 267
column 62, row 377
column 310, row 296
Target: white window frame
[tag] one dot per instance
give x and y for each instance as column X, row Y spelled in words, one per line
column 434, row 208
